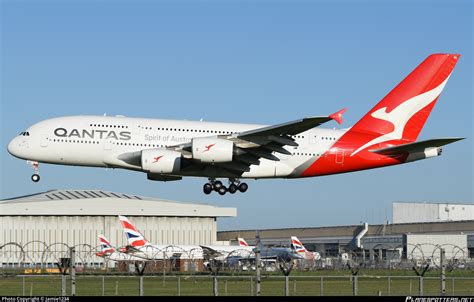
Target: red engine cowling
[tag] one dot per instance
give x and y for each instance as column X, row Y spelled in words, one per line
column 161, row 161
column 212, row 150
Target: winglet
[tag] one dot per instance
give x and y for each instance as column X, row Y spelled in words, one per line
column 337, row 116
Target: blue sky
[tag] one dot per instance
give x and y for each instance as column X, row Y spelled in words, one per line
column 236, row 61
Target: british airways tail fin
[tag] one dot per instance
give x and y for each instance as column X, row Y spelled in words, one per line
column 297, row 245
column 134, row 237
column 105, row 246
column 242, row 242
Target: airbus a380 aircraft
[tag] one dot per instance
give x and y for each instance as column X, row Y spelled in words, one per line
column 169, row 149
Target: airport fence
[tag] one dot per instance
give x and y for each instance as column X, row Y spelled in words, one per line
column 41, row 257
column 37, row 268
column 273, row 285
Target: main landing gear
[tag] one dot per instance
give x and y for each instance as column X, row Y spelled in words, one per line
column 216, row 185
column 35, row 165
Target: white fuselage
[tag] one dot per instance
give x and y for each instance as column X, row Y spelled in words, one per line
column 97, row 141
column 168, row 252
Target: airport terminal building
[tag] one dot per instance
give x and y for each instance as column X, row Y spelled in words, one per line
column 416, row 229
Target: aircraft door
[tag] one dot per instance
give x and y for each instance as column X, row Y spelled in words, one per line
column 339, row 156
column 108, row 144
column 44, row 140
column 136, row 128
column 312, row 138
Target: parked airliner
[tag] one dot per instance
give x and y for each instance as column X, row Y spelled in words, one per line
column 297, row 246
column 141, row 247
column 107, row 251
column 168, row 150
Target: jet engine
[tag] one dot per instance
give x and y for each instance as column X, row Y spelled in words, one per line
column 161, row 161
column 212, row 150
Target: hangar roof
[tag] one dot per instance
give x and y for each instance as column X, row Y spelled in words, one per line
column 104, row 203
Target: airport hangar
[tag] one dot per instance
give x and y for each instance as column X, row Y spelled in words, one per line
column 416, row 228
column 77, row 217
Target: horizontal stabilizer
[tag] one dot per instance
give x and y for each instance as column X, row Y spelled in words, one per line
column 416, row 146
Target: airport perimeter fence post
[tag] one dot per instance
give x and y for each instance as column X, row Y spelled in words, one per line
column 116, row 288
column 179, row 286
column 23, row 289
column 258, row 275
column 389, row 281
column 354, row 285
column 294, row 287
column 257, row 264
column 215, row 286
column 251, row 286
column 287, row 288
column 103, row 285
column 225, row 287
column 443, row 273
column 421, row 286
column 452, row 285
column 72, row 254
column 140, row 286
column 321, row 286
column 63, row 285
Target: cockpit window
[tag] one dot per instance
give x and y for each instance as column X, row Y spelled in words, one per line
column 25, row 134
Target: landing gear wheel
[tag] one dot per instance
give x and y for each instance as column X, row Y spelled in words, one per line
column 243, row 187
column 218, row 185
column 207, row 188
column 35, row 177
column 232, row 188
column 222, row 190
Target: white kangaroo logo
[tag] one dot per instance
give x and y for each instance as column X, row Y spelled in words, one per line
column 399, row 116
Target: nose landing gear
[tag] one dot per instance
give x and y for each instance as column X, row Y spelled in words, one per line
column 216, row 185
column 35, row 165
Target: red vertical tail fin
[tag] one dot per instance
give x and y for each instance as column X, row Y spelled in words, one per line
column 402, row 113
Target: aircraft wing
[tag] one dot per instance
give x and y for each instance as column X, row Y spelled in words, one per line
column 416, row 146
column 211, row 253
column 259, row 143
column 279, row 254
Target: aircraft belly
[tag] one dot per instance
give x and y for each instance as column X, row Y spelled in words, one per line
column 266, row 169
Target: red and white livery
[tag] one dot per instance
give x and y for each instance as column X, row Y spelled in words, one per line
column 299, row 248
column 107, row 251
column 168, row 150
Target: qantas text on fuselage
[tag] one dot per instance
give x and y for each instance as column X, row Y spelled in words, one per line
column 168, row 150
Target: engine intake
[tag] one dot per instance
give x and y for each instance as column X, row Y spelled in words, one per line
column 161, row 161
column 212, row 150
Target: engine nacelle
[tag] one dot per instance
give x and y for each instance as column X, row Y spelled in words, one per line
column 161, row 161
column 212, row 150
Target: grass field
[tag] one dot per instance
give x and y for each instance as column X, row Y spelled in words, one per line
column 299, row 284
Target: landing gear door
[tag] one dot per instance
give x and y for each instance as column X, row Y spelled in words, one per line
column 44, row 140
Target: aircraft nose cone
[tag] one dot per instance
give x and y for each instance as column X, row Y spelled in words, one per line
column 13, row 147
